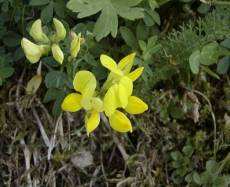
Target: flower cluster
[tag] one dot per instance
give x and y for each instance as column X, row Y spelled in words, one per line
column 46, row 43
column 116, row 94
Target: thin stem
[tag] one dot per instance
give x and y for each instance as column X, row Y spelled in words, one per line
column 116, row 140
column 213, row 118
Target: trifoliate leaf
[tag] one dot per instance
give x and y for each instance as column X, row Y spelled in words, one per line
column 108, row 20
column 210, row 54
column 194, row 61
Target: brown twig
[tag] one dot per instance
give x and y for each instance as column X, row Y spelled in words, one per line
column 116, row 140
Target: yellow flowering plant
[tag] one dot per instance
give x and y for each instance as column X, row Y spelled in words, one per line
column 116, row 94
column 49, row 42
column 114, row 97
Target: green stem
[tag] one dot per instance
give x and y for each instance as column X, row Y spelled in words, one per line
column 23, row 17
column 213, row 118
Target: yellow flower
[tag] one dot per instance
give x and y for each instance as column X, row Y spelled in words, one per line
column 75, row 44
column 60, row 31
column 118, row 95
column 37, row 33
column 118, row 120
column 33, row 52
column 57, row 53
column 119, row 86
column 85, row 83
column 119, row 70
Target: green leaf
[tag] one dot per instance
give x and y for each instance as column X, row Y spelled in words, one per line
column 212, row 166
column 86, row 8
column 176, row 155
column 47, row 13
column 56, row 95
column 129, row 37
column 151, row 17
column 12, row 39
column 106, row 23
column 55, row 79
column 196, row 178
column 223, row 65
column 142, row 32
column 131, row 13
column 142, row 45
column 221, row 181
column 38, row 2
column 209, row 54
column 6, row 72
column 129, row 3
column 153, row 4
column 226, row 43
column 194, row 61
column 188, row 150
column 52, row 94
column 57, row 105
column 108, row 20
column 59, row 8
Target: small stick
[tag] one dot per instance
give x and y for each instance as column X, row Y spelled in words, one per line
column 41, row 128
column 116, row 140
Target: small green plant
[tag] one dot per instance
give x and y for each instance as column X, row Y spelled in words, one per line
column 211, row 176
column 182, row 163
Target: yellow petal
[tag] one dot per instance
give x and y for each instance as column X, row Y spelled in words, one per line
column 134, row 75
column 122, row 95
column 136, row 105
column 32, row 51
column 110, row 100
column 119, row 122
column 86, row 102
column 60, row 30
column 110, row 64
column 128, row 84
column 126, row 63
column 37, row 33
column 92, row 122
column 85, row 83
column 75, row 45
column 72, row 102
column 57, row 53
column 97, row 104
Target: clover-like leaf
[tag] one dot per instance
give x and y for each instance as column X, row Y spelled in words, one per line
column 108, row 20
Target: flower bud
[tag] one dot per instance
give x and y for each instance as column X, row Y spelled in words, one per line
column 75, row 44
column 57, row 53
column 32, row 51
column 45, row 49
column 60, row 30
column 37, row 33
